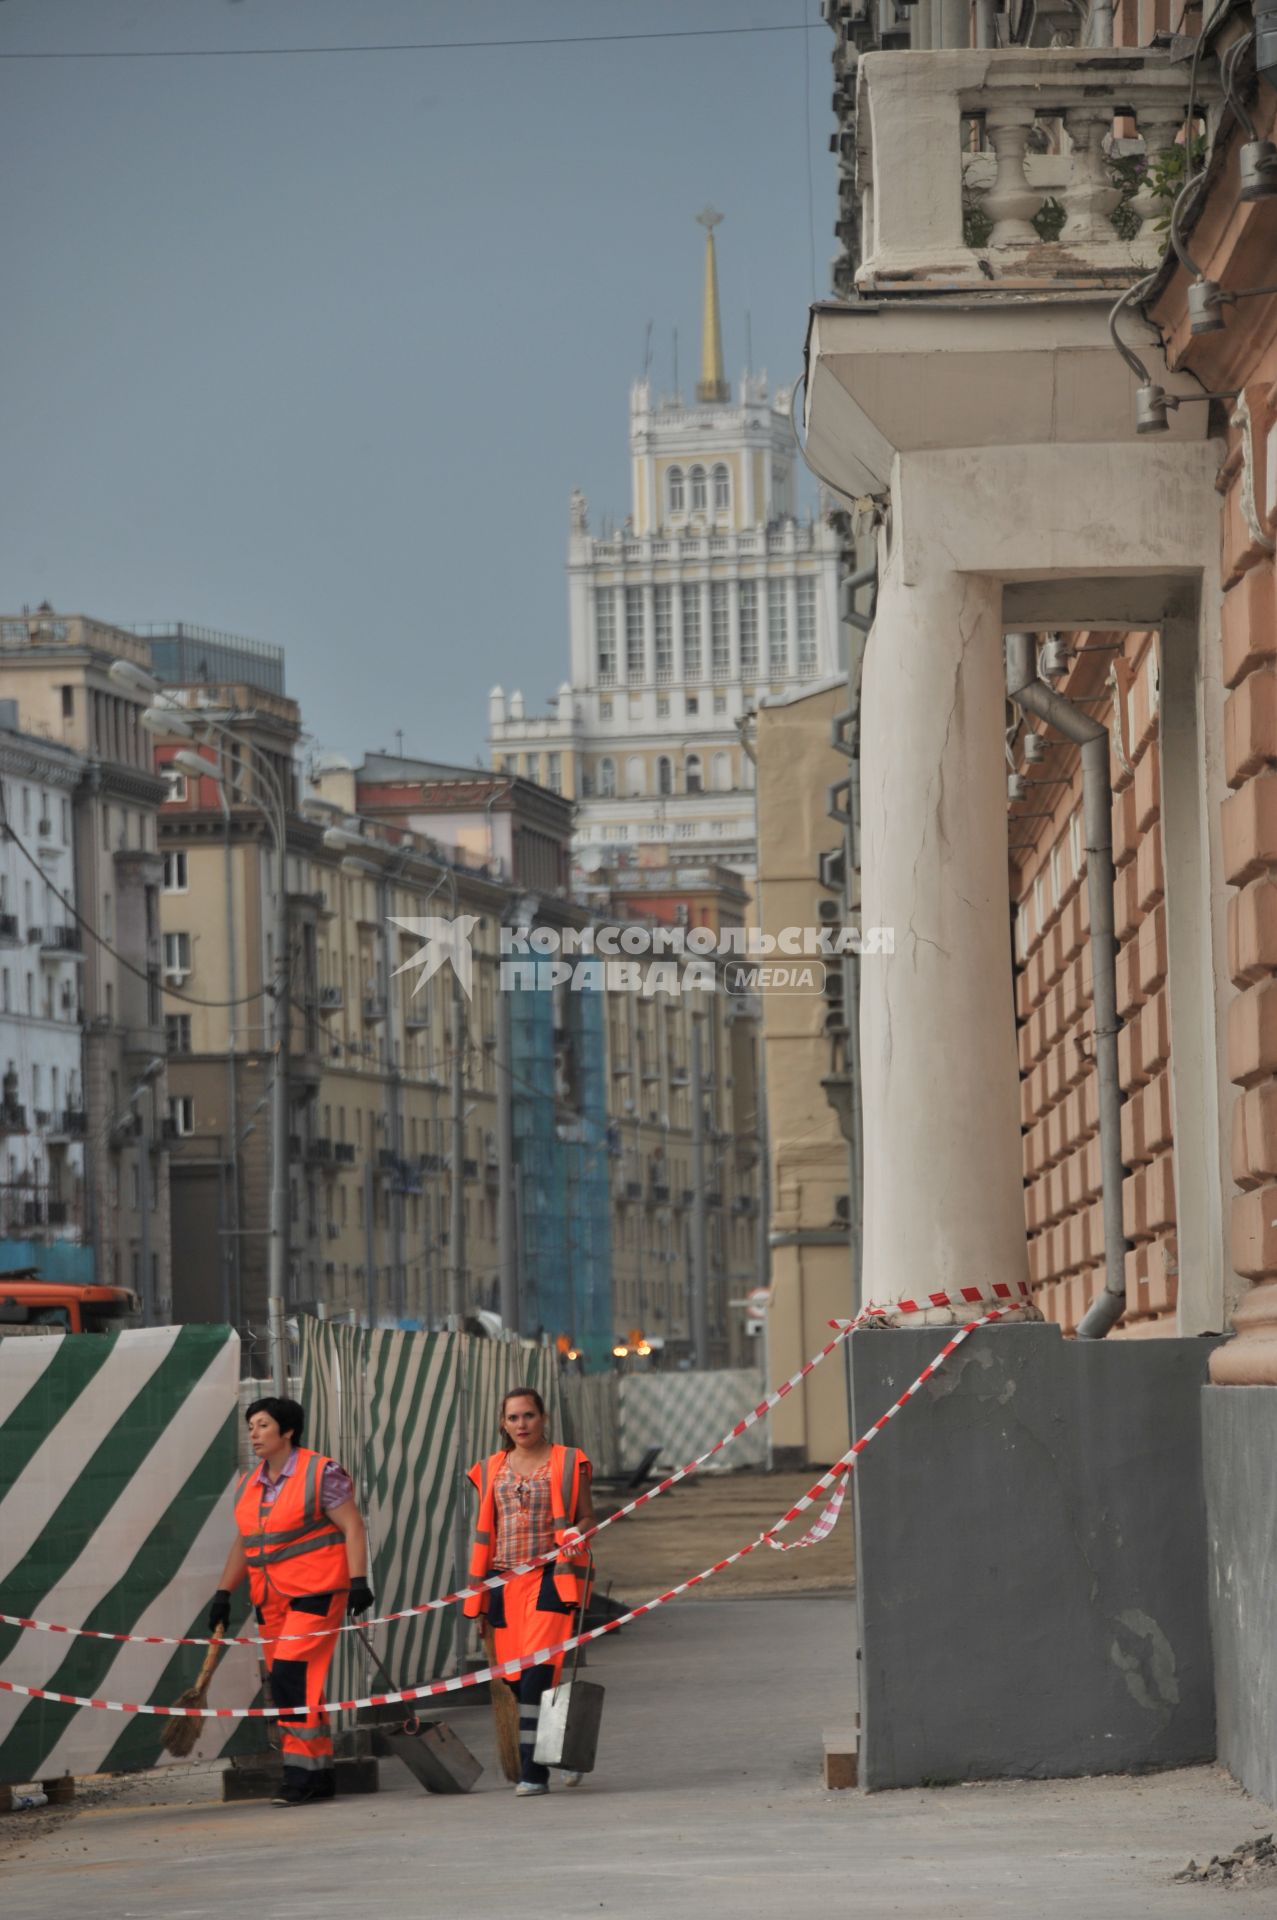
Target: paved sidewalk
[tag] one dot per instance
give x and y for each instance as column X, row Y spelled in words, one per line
column 707, row 1803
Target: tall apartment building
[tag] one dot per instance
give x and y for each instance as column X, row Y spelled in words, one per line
column 43, row 1219
column 54, row 672
column 713, row 595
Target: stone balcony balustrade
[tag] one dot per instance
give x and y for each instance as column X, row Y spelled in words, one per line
column 959, row 153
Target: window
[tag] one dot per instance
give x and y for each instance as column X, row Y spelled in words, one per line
column 605, row 709
column 26, row 810
column 662, row 706
column 634, row 634
column 635, row 775
column 664, row 784
column 807, row 626
column 749, row 626
column 605, row 634
column 700, row 495
column 554, row 772
column 68, row 703
column 177, row 787
column 721, row 775
column 720, row 631
column 1075, row 844
column 66, row 823
column 1039, row 900
column 720, row 703
column 177, row 1032
column 175, row 873
column 692, row 633
column 777, row 630
column 177, row 956
column 607, row 779
column 692, row 773
column 722, row 490
column 663, row 633
column 181, row 1111
column 692, row 703
column 674, row 489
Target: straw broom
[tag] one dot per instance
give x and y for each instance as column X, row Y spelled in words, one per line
column 505, row 1714
column 179, row 1736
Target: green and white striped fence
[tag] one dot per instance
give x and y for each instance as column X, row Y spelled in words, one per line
column 117, row 1459
column 386, row 1405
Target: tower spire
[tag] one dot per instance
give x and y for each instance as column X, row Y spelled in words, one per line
column 711, row 386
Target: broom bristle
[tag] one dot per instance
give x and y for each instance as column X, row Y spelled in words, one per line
column 505, row 1715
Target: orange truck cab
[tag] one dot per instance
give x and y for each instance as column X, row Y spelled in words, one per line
column 31, row 1305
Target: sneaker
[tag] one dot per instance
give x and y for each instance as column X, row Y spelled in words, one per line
column 571, row 1779
column 526, row 1787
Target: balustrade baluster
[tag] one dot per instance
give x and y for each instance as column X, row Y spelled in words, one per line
column 1011, row 202
column 1090, row 196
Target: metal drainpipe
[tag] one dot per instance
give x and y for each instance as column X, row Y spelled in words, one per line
column 846, row 734
column 1037, row 698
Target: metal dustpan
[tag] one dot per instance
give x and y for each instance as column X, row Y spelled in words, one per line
column 436, row 1757
column 568, row 1723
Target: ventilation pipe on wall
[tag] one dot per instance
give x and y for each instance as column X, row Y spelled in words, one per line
column 1034, row 696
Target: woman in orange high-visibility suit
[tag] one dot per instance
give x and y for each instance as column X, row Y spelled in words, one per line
column 302, row 1543
column 533, row 1498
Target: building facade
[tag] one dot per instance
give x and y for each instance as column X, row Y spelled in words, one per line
column 43, row 1216
column 712, row 595
column 576, row 1201
column 99, row 940
column 1066, row 731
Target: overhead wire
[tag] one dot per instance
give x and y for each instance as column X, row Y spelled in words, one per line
column 409, row 46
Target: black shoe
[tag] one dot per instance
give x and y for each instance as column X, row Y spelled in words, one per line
column 322, row 1787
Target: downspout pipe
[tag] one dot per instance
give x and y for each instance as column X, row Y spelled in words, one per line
column 1034, row 696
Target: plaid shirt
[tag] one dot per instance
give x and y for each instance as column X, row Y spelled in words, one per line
column 525, row 1516
column 336, row 1486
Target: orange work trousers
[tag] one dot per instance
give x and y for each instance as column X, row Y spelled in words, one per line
column 298, row 1675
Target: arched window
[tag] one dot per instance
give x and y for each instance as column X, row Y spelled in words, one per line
column 607, row 779
column 699, row 496
column 692, row 773
column 635, row 774
column 721, row 773
column 664, row 775
column 722, row 490
column 674, row 489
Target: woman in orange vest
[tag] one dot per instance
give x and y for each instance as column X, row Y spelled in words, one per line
column 302, row 1544
column 533, row 1498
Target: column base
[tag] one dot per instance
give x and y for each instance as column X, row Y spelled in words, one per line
column 1250, row 1359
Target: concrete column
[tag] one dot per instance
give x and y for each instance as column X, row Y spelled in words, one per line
column 944, row 1204
column 791, row 626
column 677, row 675
column 955, row 19
column 733, row 627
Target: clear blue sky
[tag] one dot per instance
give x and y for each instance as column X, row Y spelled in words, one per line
column 314, row 349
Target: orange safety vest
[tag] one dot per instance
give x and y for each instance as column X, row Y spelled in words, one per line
column 292, row 1547
column 566, row 1467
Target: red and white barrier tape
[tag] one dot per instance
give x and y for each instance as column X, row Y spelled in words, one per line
column 543, row 1655
column 764, row 1407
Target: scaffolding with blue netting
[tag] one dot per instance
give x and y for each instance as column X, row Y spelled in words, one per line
column 559, row 1123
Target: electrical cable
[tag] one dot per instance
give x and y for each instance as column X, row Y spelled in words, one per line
column 10, row 834
column 410, row 46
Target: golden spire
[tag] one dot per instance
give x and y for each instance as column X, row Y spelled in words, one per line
column 711, row 386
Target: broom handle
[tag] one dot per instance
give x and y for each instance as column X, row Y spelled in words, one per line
column 211, row 1659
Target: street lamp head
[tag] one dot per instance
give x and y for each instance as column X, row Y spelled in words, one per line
column 154, row 1068
column 341, row 840
column 167, row 723
column 194, row 763
column 126, row 673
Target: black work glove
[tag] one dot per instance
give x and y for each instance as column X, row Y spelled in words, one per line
column 359, row 1599
column 219, row 1614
